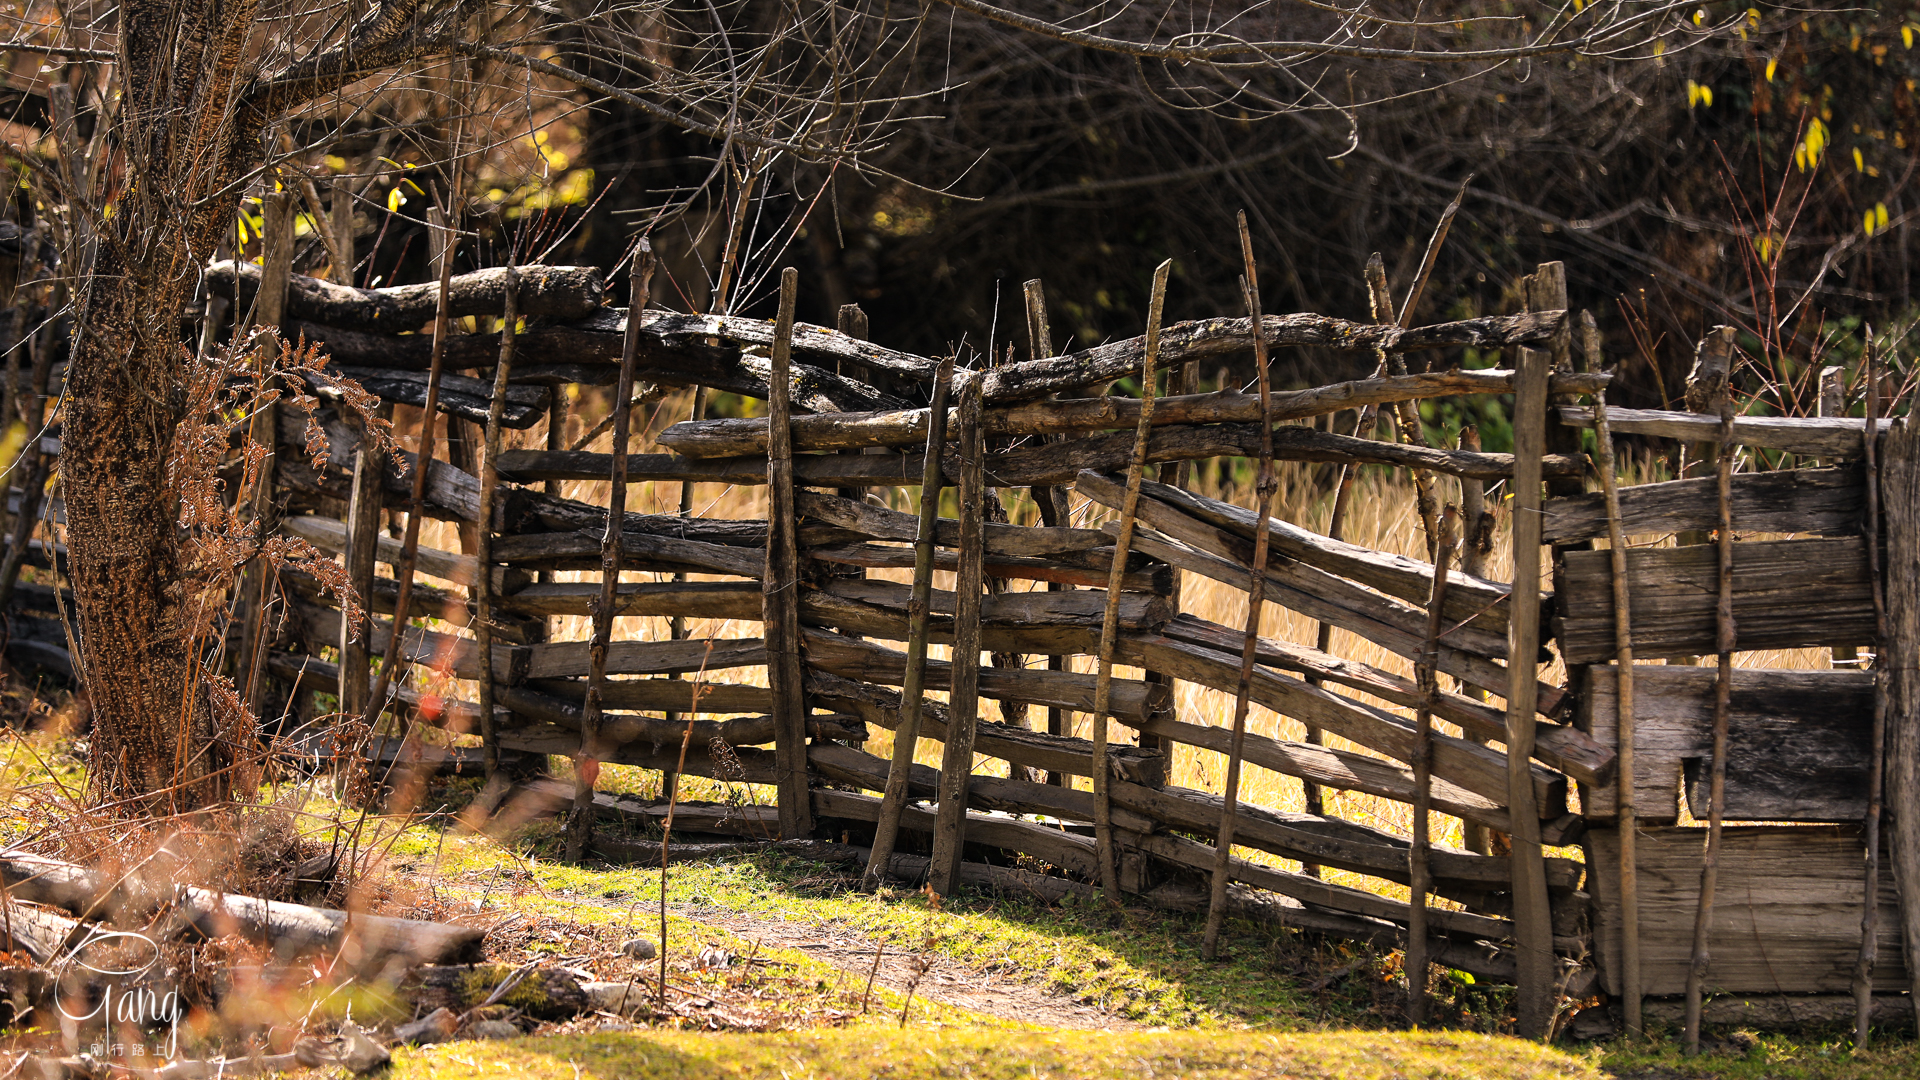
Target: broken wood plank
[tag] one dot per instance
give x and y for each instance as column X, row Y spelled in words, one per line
column 1786, row 594
column 551, row 292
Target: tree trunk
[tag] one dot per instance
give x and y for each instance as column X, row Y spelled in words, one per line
column 156, row 741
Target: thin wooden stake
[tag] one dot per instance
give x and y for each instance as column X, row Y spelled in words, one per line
column 423, row 463
column 956, row 763
column 1256, row 599
column 780, row 587
column 1051, row 501
column 591, row 753
column 482, row 588
column 1116, row 577
column 1629, row 869
column 1532, row 918
column 1419, row 852
column 906, row 737
column 1722, row 708
column 1407, row 411
column 1476, row 544
column 1876, row 765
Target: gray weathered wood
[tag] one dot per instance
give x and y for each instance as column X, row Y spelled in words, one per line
column 781, row 584
column 1472, row 600
column 956, row 762
column 466, row 398
column 1532, row 918
column 1900, row 505
column 1785, row 920
column 552, row 292
column 1052, row 463
column 847, row 431
column 1786, row 594
column 1823, row 502
column 1187, row 341
column 1804, row 435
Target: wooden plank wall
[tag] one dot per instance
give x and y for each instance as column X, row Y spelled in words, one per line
column 1786, row 917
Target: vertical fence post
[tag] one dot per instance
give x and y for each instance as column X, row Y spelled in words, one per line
column 1051, row 501
column 956, row 763
column 780, row 601
column 587, row 766
column 1532, row 920
column 276, row 269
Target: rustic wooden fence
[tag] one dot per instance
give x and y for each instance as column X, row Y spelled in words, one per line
column 1526, row 764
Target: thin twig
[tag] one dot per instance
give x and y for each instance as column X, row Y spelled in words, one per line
column 1722, row 702
column 482, row 589
column 1419, row 851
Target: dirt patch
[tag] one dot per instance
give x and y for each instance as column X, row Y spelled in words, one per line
column 946, row 981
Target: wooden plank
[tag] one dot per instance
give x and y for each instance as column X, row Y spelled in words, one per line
column 1900, row 506
column 568, row 659
column 639, row 551
column 460, row 655
column 1822, row 502
column 1069, row 851
column 1154, row 579
column 663, row 695
column 697, row 599
column 1799, row 742
column 1052, row 463
column 1532, row 919
column 1804, row 435
column 1786, row 916
column 1786, row 594
column 1004, row 540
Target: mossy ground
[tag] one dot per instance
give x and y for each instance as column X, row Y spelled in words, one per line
column 981, row 1055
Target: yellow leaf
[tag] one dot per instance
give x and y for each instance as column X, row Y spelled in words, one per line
column 1753, row 16
column 396, row 199
column 336, row 163
column 1706, row 96
column 1859, row 162
column 1699, row 16
column 1772, row 66
column 1906, row 35
column 1869, row 223
column 1879, row 215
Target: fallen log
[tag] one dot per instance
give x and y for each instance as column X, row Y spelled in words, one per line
column 360, row 941
column 848, row 431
